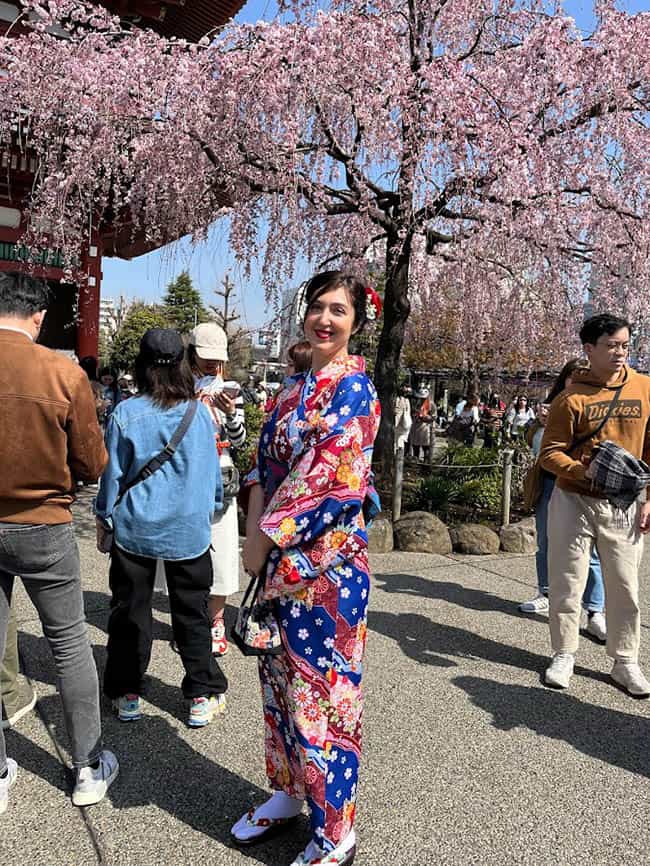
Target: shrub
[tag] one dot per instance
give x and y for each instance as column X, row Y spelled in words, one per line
column 483, row 493
column 466, row 455
column 435, row 493
column 245, row 457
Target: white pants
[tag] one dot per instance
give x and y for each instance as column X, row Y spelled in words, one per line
column 575, row 524
column 224, row 552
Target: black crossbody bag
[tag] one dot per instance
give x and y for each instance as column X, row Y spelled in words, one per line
column 166, row 454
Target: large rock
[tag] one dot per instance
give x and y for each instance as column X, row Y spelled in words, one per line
column 475, row 539
column 380, row 536
column 519, row 537
column 421, row 532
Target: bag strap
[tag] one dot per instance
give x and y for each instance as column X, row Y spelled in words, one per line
column 595, row 432
column 166, row 454
column 253, row 589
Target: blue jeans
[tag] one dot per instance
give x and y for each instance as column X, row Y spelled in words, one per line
column 47, row 560
column 593, row 599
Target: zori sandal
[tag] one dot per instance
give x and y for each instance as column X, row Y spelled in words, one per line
column 268, row 828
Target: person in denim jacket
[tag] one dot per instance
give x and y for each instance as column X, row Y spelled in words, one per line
column 166, row 515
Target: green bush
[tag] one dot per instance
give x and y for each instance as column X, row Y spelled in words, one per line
column 467, row 455
column 435, row 493
column 244, row 457
column 482, row 492
column 453, row 489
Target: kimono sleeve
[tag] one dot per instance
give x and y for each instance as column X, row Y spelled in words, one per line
column 316, row 516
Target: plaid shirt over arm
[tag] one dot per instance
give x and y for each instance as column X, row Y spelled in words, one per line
column 618, row 474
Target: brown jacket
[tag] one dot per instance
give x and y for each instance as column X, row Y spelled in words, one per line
column 579, row 410
column 49, row 435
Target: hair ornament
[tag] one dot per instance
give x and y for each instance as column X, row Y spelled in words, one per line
column 373, row 304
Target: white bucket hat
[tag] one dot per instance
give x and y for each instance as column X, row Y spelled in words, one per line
column 210, row 342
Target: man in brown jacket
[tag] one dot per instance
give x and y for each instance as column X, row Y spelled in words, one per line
column 580, row 514
column 49, row 440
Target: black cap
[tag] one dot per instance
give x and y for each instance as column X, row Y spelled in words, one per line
column 162, row 346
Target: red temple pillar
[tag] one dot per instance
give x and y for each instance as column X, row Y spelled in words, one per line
column 88, row 303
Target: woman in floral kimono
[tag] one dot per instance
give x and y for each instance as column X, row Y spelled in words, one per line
column 306, row 527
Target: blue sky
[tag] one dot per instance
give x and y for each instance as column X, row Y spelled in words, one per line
column 147, row 276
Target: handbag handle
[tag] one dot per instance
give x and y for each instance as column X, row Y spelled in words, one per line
column 256, row 583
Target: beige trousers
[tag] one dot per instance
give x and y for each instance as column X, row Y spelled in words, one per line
column 575, row 524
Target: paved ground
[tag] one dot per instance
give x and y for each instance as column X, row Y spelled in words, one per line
column 468, row 759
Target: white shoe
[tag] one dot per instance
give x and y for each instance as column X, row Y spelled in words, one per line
column 597, row 626
column 92, row 784
column 6, row 783
column 539, row 604
column 559, row 672
column 630, row 676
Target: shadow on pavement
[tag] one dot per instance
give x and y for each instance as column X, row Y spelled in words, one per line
column 431, row 643
column 617, row 738
column 454, row 593
column 36, row 760
column 159, row 767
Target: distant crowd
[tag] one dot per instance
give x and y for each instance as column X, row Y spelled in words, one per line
column 470, row 420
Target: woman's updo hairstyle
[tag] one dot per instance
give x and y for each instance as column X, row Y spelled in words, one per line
column 328, row 281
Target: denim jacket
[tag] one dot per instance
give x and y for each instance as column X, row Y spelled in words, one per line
column 168, row 514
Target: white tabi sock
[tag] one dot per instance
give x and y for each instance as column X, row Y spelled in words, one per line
column 280, row 805
column 313, row 850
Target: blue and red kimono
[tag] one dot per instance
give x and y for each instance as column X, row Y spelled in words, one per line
column 314, row 466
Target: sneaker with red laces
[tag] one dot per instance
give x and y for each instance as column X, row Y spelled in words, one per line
column 219, row 640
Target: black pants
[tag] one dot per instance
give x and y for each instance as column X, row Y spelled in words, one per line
column 131, row 580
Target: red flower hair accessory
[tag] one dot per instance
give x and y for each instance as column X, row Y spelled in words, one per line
column 373, row 304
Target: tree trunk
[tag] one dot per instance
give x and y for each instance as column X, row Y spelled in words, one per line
column 396, row 311
column 472, row 379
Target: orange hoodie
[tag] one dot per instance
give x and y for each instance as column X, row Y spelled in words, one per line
column 579, row 410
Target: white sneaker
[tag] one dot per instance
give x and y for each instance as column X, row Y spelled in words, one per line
column 204, row 709
column 630, row 676
column 92, row 784
column 6, row 783
column 539, row 604
column 597, row 626
column 559, row 672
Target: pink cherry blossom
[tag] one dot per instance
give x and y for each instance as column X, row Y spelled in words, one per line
column 494, row 157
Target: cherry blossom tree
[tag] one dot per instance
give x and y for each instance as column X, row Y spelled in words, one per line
column 496, row 155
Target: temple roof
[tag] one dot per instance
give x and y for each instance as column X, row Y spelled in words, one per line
column 187, row 19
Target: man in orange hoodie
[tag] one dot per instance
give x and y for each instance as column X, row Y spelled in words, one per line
column 581, row 516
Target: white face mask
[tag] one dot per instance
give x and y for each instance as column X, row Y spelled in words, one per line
column 210, row 384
